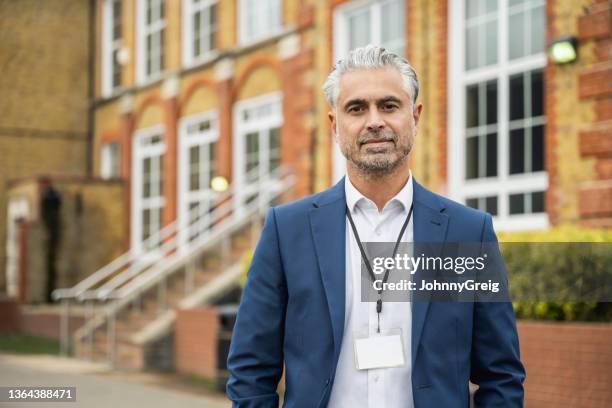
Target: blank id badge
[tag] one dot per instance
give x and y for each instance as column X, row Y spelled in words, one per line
column 379, row 350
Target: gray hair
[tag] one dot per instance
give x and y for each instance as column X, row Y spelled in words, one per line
column 370, row 57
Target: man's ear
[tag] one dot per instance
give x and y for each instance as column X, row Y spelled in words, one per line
column 416, row 113
column 332, row 119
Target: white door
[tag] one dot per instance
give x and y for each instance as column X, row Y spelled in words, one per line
column 148, row 188
column 18, row 209
column 257, row 124
column 197, row 167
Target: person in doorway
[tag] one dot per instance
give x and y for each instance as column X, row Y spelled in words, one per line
column 301, row 308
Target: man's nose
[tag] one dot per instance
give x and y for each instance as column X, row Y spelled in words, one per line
column 375, row 121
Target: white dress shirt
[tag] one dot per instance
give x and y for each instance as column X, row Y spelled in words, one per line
column 383, row 387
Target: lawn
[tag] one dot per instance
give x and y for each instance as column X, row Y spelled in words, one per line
column 28, row 344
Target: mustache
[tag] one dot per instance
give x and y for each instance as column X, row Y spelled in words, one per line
column 383, row 136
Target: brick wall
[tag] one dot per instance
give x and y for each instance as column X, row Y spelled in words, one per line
column 46, row 324
column 91, row 231
column 43, row 109
column 595, row 90
column 9, row 316
column 196, row 342
column 568, row 364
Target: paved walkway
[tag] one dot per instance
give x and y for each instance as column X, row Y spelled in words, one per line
column 97, row 386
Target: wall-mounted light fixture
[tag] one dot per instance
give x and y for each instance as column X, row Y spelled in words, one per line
column 219, row 184
column 563, row 50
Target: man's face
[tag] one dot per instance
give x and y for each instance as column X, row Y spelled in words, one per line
column 375, row 122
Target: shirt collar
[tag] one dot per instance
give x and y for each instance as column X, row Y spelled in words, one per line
column 354, row 197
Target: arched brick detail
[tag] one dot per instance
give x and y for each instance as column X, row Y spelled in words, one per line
column 192, row 88
column 255, row 63
column 145, row 103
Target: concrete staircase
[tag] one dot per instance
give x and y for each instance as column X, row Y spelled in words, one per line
column 136, row 341
column 131, row 303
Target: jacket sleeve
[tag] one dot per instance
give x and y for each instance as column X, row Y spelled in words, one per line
column 495, row 361
column 255, row 360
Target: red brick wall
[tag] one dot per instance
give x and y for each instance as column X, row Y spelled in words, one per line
column 195, row 342
column 568, row 364
column 9, row 316
column 46, row 324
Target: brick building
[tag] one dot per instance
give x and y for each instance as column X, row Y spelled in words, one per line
column 45, row 79
column 504, row 129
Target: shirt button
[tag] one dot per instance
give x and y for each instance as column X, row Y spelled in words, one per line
column 377, row 231
column 376, row 378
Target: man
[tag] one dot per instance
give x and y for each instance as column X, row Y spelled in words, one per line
column 302, row 300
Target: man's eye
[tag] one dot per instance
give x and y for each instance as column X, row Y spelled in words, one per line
column 355, row 109
column 389, row 106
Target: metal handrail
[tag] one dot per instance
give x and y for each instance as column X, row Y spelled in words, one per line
column 133, row 281
column 80, row 289
column 154, row 273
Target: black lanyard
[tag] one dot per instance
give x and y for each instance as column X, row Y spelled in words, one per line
column 364, row 256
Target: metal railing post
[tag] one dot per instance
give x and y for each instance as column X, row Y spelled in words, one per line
column 90, row 313
column 65, row 328
column 111, row 338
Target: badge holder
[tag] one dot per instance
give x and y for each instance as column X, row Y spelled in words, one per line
column 379, row 350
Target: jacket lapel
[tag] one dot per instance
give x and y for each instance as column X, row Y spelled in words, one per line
column 430, row 224
column 328, row 225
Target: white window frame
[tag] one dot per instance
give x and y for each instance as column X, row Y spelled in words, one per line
column 241, row 129
column 275, row 27
column 186, row 141
column 503, row 184
column 341, row 48
column 142, row 30
column 189, row 9
column 110, row 161
column 18, row 208
column 109, row 46
column 138, row 202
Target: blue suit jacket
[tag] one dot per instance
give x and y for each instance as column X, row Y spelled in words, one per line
column 292, row 311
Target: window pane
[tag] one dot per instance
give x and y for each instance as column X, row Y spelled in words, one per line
column 194, row 168
column 537, row 148
column 491, row 205
column 359, row 29
column 472, row 8
column 537, row 93
column 274, row 148
column 471, row 106
column 491, row 42
column 471, row 159
column 392, row 21
column 212, row 163
column 538, row 28
column 472, row 202
column 491, row 102
column 516, row 97
column 516, row 35
column 491, row 155
column 471, row 46
column 517, row 204
column 537, row 202
column 196, row 33
column 490, row 6
column 517, row 151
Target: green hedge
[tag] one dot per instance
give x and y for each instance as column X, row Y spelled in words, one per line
column 560, row 266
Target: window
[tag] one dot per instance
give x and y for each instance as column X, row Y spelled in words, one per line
column 358, row 23
column 148, row 188
column 379, row 22
column 257, row 144
column 497, row 119
column 151, row 32
column 109, row 163
column 258, row 19
column 199, row 29
column 197, row 167
column 111, row 46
